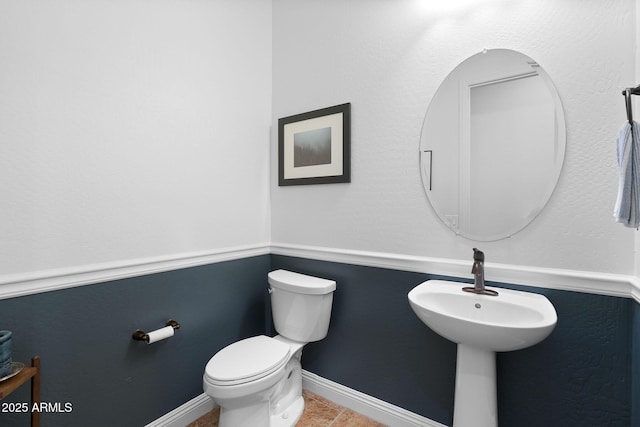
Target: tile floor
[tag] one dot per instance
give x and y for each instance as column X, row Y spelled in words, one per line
column 318, row 412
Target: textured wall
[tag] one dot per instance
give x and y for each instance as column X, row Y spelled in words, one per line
column 579, row 376
column 388, row 58
column 132, row 129
column 83, row 336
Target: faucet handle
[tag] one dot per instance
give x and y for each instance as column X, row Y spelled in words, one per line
column 478, row 255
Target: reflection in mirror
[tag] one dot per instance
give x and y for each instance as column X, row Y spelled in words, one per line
column 492, row 145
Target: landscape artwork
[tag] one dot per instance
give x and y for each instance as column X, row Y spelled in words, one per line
column 312, row 148
column 315, row 147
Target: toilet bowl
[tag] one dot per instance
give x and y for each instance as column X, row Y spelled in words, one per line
column 257, row 382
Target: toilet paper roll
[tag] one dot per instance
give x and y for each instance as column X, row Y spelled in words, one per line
column 160, row 334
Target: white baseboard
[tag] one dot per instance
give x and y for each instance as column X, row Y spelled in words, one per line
column 366, row 405
column 369, row 406
column 185, row 414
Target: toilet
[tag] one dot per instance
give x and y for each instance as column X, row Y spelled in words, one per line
column 257, row 382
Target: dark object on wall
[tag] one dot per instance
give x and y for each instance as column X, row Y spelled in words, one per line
column 315, row 147
column 627, row 95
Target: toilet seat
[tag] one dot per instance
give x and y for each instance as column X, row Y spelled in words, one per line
column 247, row 360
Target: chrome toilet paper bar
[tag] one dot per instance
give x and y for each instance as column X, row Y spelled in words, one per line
column 158, row 334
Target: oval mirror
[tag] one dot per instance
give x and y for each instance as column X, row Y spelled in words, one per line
column 492, row 145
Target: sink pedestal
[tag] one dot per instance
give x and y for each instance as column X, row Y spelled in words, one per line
column 475, row 402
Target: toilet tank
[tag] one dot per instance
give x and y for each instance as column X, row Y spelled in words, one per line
column 300, row 305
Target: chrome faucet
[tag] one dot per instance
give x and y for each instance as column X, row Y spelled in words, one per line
column 478, row 275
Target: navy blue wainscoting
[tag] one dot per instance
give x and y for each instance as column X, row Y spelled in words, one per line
column 579, row 376
column 83, row 336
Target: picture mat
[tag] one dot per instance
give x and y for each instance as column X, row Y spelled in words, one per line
column 335, row 168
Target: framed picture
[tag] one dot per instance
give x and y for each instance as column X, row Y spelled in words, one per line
column 315, row 147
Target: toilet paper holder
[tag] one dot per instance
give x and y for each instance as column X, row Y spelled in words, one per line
column 140, row 335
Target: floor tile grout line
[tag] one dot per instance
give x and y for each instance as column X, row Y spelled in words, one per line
column 336, row 418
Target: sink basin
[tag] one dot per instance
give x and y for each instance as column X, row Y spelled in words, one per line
column 510, row 321
column 481, row 325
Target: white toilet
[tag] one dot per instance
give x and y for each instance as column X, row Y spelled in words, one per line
column 258, row 381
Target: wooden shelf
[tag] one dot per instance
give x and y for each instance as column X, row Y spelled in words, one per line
column 28, row 373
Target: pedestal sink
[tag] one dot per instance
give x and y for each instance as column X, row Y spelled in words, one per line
column 481, row 325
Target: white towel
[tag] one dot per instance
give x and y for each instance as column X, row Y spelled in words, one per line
column 627, row 209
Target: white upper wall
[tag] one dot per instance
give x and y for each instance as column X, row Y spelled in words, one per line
column 132, row 129
column 140, row 129
column 388, row 57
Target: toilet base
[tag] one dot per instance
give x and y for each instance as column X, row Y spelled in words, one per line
column 280, row 405
column 290, row 416
column 248, row 416
column 259, row 415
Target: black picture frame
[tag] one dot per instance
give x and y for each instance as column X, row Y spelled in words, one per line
column 315, row 147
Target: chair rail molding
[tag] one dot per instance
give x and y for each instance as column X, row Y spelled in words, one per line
column 619, row 285
column 551, row 278
column 49, row 280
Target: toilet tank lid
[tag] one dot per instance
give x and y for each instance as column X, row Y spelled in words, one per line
column 300, row 283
